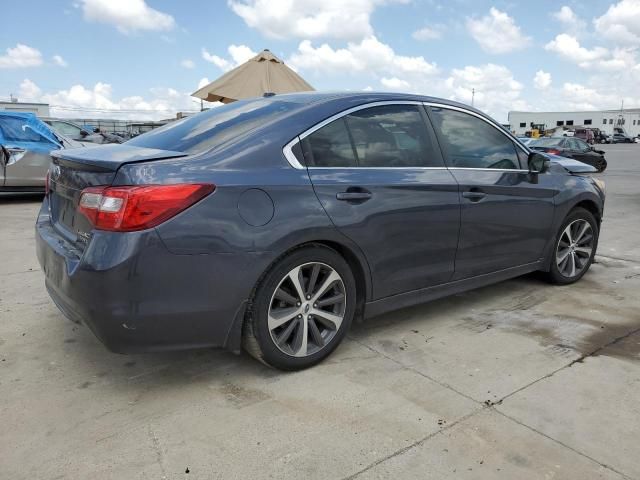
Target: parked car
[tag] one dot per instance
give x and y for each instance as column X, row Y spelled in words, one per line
column 25, row 143
column 585, row 134
column 571, row 148
column 620, row 138
column 76, row 132
column 273, row 222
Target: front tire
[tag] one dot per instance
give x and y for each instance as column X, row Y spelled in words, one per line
column 574, row 248
column 301, row 310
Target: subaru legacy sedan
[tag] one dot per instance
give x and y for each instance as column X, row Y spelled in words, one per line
column 272, row 223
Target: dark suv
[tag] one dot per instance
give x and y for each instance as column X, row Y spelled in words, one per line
column 273, row 222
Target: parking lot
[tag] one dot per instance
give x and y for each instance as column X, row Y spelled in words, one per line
column 519, row 380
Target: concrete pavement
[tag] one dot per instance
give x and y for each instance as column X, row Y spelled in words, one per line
column 516, row 380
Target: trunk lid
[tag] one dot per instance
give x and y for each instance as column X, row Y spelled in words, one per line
column 73, row 170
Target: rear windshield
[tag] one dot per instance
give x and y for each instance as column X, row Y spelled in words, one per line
column 214, row 127
column 545, row 142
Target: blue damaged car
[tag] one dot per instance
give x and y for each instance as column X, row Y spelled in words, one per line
column 25, row 145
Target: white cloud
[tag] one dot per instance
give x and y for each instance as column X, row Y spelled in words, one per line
column 28, row 91
column 369, row 55
column 395, row 83
column 21, row 56
column 59, row 61
column 100, row 102
column 428, row 33
column 497, row 33
column 238, row 53
column 203, row 81
column 542, row 80
column 128, row 16
column 496, row 91
column 571, row 22
column 567, row 46
column 309, row 19
column 621, row 23
column 187, row 63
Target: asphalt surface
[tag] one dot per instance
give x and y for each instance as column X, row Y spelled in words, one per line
column 519, row 380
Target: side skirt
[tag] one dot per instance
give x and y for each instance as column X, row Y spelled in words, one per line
column 415, row 297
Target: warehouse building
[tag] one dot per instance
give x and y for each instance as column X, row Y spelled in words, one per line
column 605, row 120
column 40, row 109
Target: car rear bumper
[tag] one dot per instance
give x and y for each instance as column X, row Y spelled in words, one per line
column 137, row 296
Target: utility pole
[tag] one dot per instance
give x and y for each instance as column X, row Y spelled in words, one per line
column 473, row 95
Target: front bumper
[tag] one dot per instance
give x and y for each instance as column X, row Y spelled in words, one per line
column 137, row 296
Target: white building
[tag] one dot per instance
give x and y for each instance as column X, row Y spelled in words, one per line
column 40, row 109
column 605, row 120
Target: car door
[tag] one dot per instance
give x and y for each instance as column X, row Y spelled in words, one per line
column 380, row 177
column 582, row 151
column 27, row 143
column 506, row 213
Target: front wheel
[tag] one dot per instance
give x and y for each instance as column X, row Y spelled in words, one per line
column 301, row 309
column 575, row 247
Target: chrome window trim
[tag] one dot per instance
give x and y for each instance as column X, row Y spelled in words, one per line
column 291, row 158
column 287, row 150
column 377, row 168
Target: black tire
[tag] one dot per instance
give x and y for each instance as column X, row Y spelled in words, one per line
column 602, row 165
column 554, row 275
column 257, row 339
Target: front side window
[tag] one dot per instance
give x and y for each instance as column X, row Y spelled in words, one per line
column 470, row 142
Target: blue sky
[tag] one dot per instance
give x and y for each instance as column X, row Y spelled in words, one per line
column 142, row 58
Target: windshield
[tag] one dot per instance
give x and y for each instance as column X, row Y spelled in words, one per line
column 546, row 142
column 214, row 127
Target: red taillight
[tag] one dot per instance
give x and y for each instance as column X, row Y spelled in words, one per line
column 553, row 151
column 130, row 208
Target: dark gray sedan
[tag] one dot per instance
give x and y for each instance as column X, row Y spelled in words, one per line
column 272, row 223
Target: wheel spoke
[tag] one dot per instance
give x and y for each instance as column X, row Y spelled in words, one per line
column 315, row 271
column 331, row 320
column 562, row 255
column 300, row 342
column 281, row 340
column 582, row 231
column 572, row 265
column 567, row 232
column 315, row 333
column 286, row 297
column 280, row 316
column 295, row 276
column 328, row 282
column 585, row 250
column 337, row 298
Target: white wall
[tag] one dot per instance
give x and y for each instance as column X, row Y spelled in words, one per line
column 41, row 110
column 597, row 118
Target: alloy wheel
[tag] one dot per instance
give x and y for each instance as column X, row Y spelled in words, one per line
column 574, row 249
column 306, row 309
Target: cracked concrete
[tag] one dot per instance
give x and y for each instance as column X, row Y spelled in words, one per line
column 515, row 380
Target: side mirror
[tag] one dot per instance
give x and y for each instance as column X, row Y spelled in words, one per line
column 538, row 163
column 83, row 133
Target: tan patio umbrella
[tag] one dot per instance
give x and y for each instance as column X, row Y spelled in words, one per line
column 263, row 74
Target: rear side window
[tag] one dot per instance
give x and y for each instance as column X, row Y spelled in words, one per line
column 470, row 142
column 378, row 137
column 329, row 146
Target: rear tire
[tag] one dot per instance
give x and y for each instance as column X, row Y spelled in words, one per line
column 301, row 309
column 574, row 247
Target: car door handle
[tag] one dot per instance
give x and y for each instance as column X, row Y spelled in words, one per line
column 474, row 196
column 353, row 196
